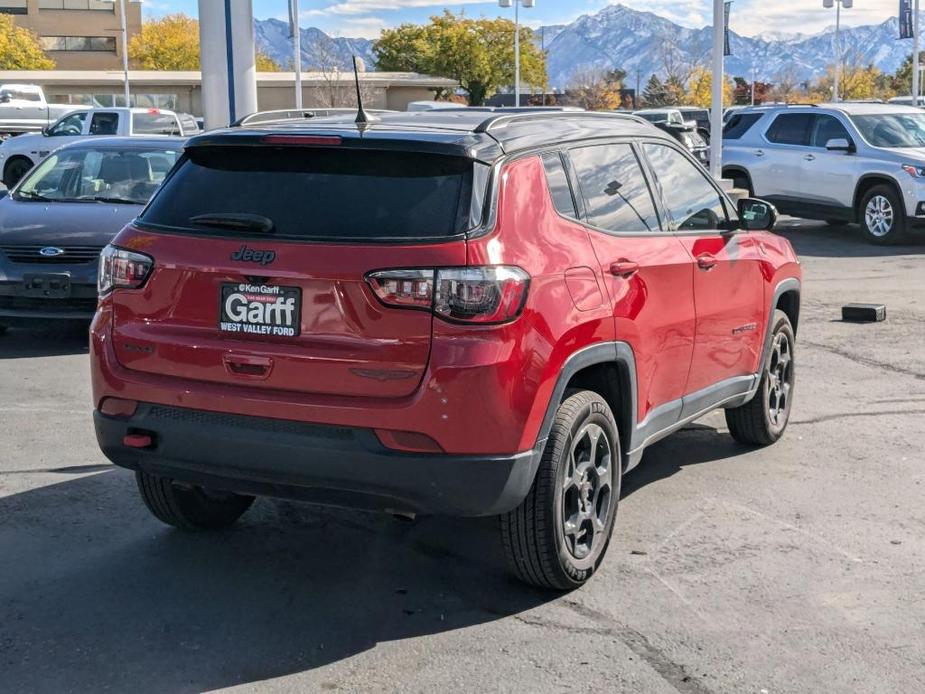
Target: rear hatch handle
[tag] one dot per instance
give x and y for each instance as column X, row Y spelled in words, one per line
column 248, row 366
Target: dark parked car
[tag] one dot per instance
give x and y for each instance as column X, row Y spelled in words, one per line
column 700, row 116
column 59, row 217
column 672, row 121
column 460, row 312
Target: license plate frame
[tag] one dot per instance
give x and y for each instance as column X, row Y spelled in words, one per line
column 259, row 310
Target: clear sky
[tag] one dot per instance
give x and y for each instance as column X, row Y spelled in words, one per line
column 367, row 17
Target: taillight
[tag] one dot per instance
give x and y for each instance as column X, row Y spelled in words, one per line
column 122, row 269
column 487, row 294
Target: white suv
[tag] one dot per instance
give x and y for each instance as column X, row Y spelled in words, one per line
column 847, row 162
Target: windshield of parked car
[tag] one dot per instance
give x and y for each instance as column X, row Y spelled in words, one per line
column 98, row 175
column 892, row 130
column 19, row 95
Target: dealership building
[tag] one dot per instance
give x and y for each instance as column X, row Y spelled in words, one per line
column 77, row 34
column 182, row 91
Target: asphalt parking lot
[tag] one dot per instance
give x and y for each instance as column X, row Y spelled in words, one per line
column 797, row 568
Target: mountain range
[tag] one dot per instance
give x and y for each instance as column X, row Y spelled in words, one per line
column 635, row 41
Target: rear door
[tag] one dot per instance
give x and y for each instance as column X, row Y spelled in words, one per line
column 648, row 273
column 336, row 216
column 728, row 284
column 788, row 151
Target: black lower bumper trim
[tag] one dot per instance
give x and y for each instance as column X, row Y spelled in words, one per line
column 330, row 465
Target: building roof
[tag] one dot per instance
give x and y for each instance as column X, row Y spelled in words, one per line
column 482, row 134
column 194, row 78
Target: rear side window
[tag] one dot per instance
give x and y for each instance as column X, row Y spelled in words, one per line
column 320, row 194
column 791, row 129
column 559, row 187
column 739, row 124
column 614, row 188
column 104, row 124
column 154, row 124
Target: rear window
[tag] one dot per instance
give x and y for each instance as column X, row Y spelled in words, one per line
column 791, row 129
column 320, row 194
column 739, row 124
column 154, row 124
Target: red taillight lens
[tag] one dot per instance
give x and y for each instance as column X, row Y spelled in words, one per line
column 489, row 294
column 404, row 288
column 492, row 294
column 122, row 269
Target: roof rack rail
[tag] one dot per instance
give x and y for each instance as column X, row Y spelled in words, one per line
column 502, row 119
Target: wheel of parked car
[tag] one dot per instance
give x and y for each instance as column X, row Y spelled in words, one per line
column 190, row 508
column 882, row 216
column 558, row 535
column 15, row 168
column 763, row 419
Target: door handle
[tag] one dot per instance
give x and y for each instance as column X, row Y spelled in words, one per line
column 247, row 366
column 706, row 261
column 624, row 268
column 759, row 152
column 810, row 157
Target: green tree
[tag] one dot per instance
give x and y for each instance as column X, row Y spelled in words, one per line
column 902, row 78
column 172, row 43
column 478, row 53
column 654, row 93
column 20, row 48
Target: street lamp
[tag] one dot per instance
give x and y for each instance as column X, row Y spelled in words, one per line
column 847, row 4
column 517, row 3
column 124, row 48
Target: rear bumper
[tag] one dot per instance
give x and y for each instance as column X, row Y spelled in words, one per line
column 339, row 466
column 19, row 305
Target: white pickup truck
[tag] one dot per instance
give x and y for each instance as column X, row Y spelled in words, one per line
column 23, row 109
column 19, row 154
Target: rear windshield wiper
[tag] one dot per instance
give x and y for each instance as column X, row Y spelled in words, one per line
column 239, row 221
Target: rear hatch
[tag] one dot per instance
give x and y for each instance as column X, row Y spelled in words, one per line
column 260, row 261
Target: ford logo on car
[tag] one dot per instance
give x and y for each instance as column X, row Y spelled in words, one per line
column 51, row 251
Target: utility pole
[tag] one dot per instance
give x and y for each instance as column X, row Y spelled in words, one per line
column 915, row 53
column 716, row 111
column 517, row 4
column 297, row 51
column 847, row 4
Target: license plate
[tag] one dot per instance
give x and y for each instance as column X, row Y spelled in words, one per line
column 260, row 309
column 47, row 286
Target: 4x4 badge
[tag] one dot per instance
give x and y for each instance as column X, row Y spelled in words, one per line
column 251, row 255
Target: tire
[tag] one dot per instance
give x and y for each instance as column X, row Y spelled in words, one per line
column 544, row 549
column 882, row 216
column 15, row 169
column 190, row 508
column 763, row 419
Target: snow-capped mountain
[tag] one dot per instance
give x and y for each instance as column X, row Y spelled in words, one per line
column 619, row 37
column 319, row 51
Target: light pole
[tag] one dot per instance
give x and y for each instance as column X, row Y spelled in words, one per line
column 124, row 49
column 716, row 102
column 517, row 3
column 847, row 4
column 915, row 53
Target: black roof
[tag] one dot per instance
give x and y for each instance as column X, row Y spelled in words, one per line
column 483, row 134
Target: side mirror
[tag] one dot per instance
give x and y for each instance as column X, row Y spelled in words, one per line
column 756, row 215
column 5, row 98
column 839, row 144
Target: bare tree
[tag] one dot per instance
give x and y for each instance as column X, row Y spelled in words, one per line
column 337, row 89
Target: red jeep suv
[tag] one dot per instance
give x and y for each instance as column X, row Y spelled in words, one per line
column 463, row 312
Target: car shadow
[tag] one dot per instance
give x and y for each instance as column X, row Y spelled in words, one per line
column 819, row 240
column 48, row 341
column 694, row 444
column 96, row 595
